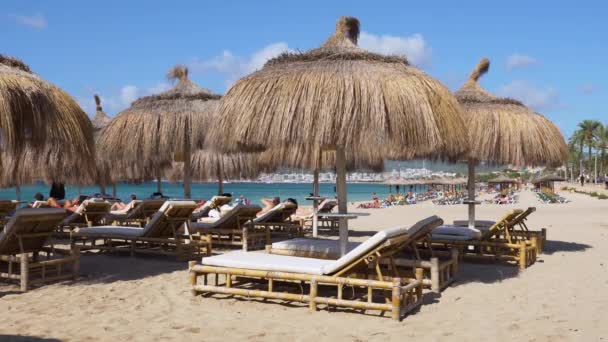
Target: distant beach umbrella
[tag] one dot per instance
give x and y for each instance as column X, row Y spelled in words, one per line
column 104, row 169
column 158, row 129
column 505, row 131
column 343, row 98
column 503, row 179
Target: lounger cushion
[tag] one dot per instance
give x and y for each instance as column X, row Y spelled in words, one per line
column 268, row 262
column 330, row 248
column 110, row 231
column 456, row 232
column 478, row 223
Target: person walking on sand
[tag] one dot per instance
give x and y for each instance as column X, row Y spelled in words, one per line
column 582, row 179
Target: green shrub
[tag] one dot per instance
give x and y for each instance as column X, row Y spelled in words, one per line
column 593, row 194
column 602, row 196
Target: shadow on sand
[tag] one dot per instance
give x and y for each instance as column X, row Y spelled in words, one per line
column 108, row 268
column 19, row 338
column 552, row 246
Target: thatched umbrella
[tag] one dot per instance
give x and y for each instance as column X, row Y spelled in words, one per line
column 45, row 134
column 157, row 129
column 35, row 113
column 340, row 97
column 505, row 131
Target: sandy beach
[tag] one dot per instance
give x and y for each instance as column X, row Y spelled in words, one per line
column 563, row 297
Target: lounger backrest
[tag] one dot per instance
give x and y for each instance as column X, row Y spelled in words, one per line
column 29, row 221
column 327, row 206
column 237, row 216
column 214, row 202
column 402, row 234
column 501, row 224
column 280, row 213
column 145, row 209
column 91, row 210
column 169, row 218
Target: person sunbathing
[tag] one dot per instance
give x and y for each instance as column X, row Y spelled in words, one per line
column 122, row 206
column 268, row 203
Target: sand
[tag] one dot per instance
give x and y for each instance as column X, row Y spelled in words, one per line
column 563, row 297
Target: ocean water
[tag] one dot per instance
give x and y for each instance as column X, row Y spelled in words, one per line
column 253, row 191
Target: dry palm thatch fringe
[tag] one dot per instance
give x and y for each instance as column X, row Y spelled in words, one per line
column 505, row 131
column 154, row 129
column 37, row 114
column 341, row 95
column 303, row 157
column 49, row 164
column 209, row 165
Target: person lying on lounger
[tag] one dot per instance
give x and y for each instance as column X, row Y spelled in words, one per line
column 121, row 205
column 268, row 203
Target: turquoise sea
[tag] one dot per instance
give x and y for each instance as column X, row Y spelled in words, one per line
column 253, row 191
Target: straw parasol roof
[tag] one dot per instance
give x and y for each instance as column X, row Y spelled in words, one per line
column 548, row 178
column 503, row 179
column 35, row 113
column 155, row 129
column 339, row 95
column 505, row 131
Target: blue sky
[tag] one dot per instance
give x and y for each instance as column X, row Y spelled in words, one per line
column 549, row 55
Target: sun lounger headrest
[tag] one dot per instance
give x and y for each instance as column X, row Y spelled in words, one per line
column 176, row 204
column 27, row 220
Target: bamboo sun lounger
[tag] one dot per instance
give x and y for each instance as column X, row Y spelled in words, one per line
column 490, row 243
column 162, row 235
column 278, row 221
column 438, row 273
column 368, row 272
column 25, row 254
column 234, row 229
column 140, row 215
column 329, row 224
column 90, row 213
column 213, row 203
column 517, row 229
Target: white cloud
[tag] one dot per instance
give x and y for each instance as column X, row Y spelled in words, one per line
column 517, row 60
column 235, row 67
column 36, row 21
column 588, row 88
column 413, row 47
column 158, row 88
column 533, row 96
column 128, row 94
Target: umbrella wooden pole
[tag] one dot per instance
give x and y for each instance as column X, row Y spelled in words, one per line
column 158, row 181
column 187, row 169
column 18, row 192
column 471, row 189
column 102, row 187
column 342, row 204
column 114, row 192
column 220, row 184
column 315, row 203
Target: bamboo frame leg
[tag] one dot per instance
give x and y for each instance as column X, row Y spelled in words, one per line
column 25, row 271
column 396, row 299
column 522, row 255
column 435, row 278
column 312, row 305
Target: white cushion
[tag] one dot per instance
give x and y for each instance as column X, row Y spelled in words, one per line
column 316, row 246
column 110, row 230
column 478, row 223
column 208, row 219
column 268, row 262
column 455, row 232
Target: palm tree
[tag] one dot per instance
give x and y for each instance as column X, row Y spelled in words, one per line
column 602, row 146
column 590, row 130
column 576, row 143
